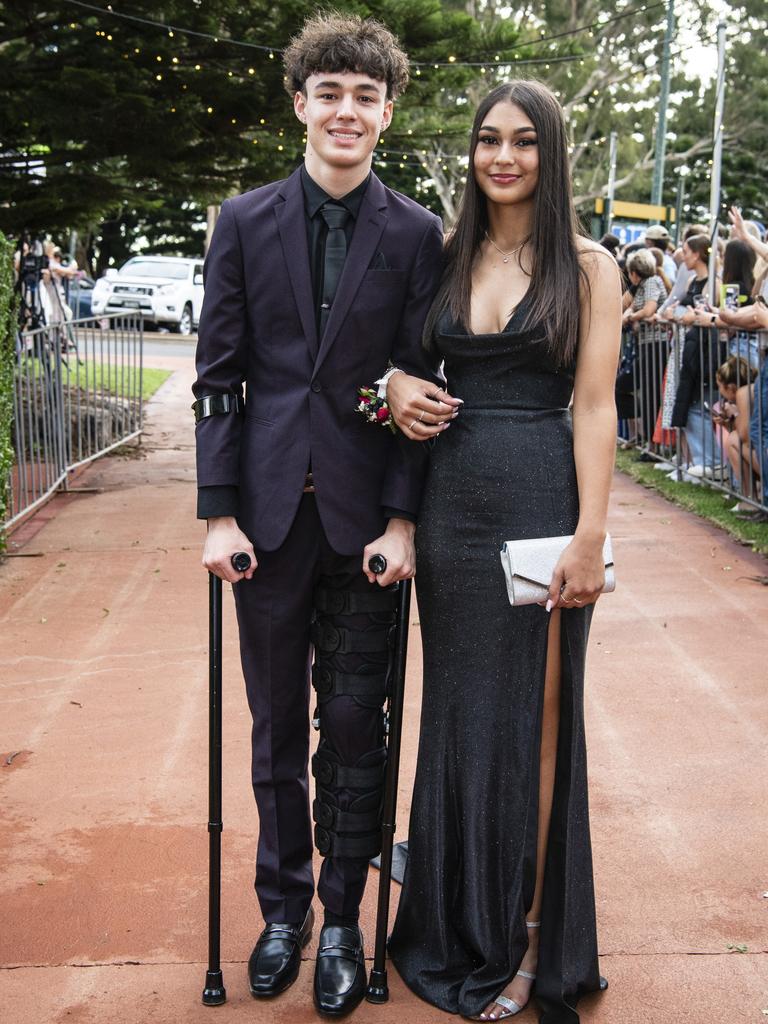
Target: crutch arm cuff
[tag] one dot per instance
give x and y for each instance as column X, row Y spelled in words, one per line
column 217, row 405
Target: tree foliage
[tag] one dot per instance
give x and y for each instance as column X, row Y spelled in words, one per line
column 123, row 129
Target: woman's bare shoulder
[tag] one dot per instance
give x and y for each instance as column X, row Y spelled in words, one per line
column 598, row 263
column 590, row 248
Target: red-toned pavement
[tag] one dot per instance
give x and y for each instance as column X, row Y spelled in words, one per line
column 104, row 723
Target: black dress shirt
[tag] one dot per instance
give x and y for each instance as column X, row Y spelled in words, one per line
column 223, row 500
column 317, row 229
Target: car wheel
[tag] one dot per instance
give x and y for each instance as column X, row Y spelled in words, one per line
column 184, row 326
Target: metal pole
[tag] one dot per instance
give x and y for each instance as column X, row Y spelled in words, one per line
column 661, row 127
column 679, row 201
column 717, row 161
column 613, row 148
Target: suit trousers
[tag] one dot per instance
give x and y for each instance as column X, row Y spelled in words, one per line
column 275, row 611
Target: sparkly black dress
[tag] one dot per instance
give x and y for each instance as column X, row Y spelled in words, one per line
column 503, row 471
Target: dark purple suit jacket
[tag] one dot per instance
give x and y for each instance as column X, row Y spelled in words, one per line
column 258, row 327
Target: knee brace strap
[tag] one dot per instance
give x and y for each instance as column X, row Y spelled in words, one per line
column 329, row 817
column 336, row 640
column 330, row 844
column 339, row 776
column 329, row 683
column 346, row 602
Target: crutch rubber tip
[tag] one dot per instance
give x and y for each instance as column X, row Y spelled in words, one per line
column 214, row 993
column 378, row 990
column 241, row 561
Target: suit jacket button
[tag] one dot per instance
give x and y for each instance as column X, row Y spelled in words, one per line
column 316, row 386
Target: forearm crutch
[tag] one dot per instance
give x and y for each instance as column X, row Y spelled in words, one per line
column 214, row 993
column 378, row 990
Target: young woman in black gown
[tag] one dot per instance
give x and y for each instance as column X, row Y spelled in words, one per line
column 498, row 899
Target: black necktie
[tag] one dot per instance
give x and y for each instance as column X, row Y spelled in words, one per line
column 335, row 253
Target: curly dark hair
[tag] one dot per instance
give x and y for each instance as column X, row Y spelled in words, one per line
column 331, row 41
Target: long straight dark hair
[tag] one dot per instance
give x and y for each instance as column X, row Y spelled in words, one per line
column 739, row 264
column 553, row 295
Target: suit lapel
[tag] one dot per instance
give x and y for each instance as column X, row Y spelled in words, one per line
column 365, row 239
column 292, row 225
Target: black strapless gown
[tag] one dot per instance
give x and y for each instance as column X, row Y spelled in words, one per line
column 503, row 471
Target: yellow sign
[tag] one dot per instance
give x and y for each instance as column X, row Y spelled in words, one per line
column 637, row 211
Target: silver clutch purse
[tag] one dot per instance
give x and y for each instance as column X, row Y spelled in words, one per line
column 528, row 566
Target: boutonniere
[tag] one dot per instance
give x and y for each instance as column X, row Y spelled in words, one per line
column 374, row 409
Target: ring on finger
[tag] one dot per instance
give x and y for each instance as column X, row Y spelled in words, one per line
column 413, row 424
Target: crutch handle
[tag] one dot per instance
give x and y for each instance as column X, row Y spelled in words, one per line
column 377, row 564
column 241, row 561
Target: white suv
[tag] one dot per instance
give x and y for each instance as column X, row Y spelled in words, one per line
column 167, row 290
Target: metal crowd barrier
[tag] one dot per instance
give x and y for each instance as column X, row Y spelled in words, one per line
column 729, row 455
column 77, row 395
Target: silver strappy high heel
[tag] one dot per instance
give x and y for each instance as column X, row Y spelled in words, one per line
column 511, row 1008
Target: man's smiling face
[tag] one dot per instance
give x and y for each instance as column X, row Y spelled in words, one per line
column 345, row 113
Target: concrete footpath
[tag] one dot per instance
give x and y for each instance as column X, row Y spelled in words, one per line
column 103, row 682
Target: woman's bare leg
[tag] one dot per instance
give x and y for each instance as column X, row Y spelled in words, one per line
column 519, row 988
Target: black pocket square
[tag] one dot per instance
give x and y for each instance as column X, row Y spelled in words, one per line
column 379, row 262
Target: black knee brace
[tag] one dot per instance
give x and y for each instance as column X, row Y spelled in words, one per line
column 368, row 678
column 354, row 832
column 352, row 636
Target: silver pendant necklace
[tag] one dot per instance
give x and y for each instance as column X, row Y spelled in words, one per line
column 506, row 256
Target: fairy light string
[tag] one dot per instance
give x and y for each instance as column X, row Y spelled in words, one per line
column 167, row 68
column 273, row 50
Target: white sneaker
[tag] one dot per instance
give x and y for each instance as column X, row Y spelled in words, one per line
column 699, row 471
column 664, row 467
column 686, row 478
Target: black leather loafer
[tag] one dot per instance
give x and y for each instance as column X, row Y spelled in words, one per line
column 340, row 979
column 276, row 957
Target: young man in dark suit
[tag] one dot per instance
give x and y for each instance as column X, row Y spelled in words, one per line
column 314, row 286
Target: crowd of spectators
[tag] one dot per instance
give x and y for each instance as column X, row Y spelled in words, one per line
column 692, row 388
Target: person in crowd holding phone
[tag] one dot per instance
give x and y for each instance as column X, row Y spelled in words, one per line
column 755, row 317
column 732, row 416
column 749, row 233
column 498, row 892
column 683, row 275
column 650, row 337
column 736, row 288
column 52, row 293
column 699, row 360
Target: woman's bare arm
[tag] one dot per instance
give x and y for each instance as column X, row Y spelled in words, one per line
column 580, row 572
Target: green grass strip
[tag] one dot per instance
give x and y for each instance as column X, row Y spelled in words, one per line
column 117, row 380
column 151, row 379
column 703, row 501
column 110, row 377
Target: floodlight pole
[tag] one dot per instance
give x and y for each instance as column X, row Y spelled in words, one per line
column 657, row 188
column 717, row 165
